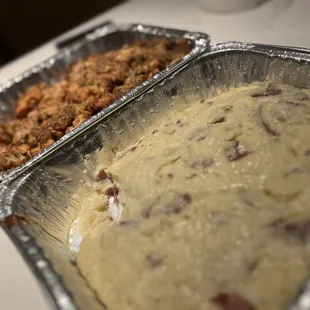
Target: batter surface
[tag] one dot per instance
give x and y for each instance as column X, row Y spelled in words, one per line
column 215, row 208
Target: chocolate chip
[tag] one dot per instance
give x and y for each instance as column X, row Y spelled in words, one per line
column 231, row 301
column 111, row 191
column 167, row 203
column 146, row 211
column 219, row 120
column 179, row 205
column 271, row 90
column 237, row 151
column 251, row 266
column 154, row 260
column 294, row 103
column 198, row 135
column 109, row 176
column 217, row 217
column 276, row 223
column 304, row 97
column 270, row 130
column 187, row 198
column 228, row 108
column 299, row 230
column 129, row 223
column 102, row 175
column 170, row 175
column 202, row 164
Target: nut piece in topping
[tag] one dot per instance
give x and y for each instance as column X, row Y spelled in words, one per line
column 28, row 101
column 230, row 301
column 10, row 160
column 5, row 137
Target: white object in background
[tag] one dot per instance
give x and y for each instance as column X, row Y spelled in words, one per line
column 229, row 6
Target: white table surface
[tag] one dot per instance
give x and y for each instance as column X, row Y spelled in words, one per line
column 18, row 288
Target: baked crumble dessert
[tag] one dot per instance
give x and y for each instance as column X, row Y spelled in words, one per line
column 212, row 208
column 46, row 113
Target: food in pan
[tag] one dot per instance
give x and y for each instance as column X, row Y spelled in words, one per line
column 46, row 113
column 212, row 207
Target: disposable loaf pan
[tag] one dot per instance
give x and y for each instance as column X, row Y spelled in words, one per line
column 103, row 39
column 37, row 207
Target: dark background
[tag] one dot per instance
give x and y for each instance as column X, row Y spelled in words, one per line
column 26, row 24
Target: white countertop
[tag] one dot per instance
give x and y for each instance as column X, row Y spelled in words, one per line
column 18, row 288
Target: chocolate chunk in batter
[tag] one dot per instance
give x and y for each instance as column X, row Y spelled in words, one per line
column 129, row 223
column 268, row 128
column 173, row 204
column 299, row 230
column 219, row 120
column 201, row 164
column 252, row 265
column 271, row 90
column 111, row 191
column 101, row 175
column 179, row 205
column 198, row 135
column 231, row 301
column 295, row 103
column 154, row 260
column 237, row 151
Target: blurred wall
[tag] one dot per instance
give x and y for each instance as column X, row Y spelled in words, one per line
column 25, row 24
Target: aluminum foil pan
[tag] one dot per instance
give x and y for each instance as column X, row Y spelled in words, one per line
column 37, row 207
column 103, row 39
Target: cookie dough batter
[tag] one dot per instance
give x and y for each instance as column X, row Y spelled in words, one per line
column 215, row 208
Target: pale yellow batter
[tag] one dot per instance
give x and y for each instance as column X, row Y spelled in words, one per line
column 216, row 208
